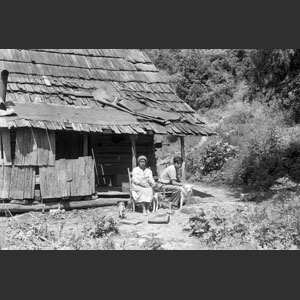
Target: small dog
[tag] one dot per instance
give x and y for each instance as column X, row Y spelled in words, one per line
column 186, row 194
column 155, row 202
column 122, row 210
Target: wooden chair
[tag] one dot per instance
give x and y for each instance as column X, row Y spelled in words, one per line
column 133, row 203
column 162, row 193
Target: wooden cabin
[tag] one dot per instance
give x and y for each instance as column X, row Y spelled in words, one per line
column 73, row 120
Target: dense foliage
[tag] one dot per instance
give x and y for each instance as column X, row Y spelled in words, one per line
column 207, row 78
column 252, row 98
column 204, row 78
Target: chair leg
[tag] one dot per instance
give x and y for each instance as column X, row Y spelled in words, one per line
column 133, row 206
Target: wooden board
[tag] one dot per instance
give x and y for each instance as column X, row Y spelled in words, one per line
column 61, row 178
column 5, row 135
column 69, row 178
column 6, row 182
column 43, row 147
column 31, row 154
column 51, row 141
column 16, row 190
column 75, row 181
column 48, row 182
column 29, row 182
column 19, row 154
column 1, row 181
column 82, row 186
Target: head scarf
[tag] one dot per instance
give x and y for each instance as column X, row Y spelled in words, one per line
column 142, row 157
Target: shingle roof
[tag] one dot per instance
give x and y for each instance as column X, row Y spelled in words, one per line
column 70, row 77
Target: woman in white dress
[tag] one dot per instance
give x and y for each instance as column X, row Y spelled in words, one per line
column 143, row 184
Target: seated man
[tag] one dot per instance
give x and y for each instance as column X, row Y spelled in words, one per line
column 142, row 184
column 169, row 180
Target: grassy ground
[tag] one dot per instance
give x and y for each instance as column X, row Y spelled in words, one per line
column 214, row 220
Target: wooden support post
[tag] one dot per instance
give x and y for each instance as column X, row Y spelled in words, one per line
column 183, row 157
column 133, row 139
column 85, row 144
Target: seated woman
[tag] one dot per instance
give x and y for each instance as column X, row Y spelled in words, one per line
column 143, row 184
column 170, row 180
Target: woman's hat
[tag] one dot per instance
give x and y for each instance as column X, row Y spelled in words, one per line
column 142, row 158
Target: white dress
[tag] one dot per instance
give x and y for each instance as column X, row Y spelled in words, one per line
column 139, row 192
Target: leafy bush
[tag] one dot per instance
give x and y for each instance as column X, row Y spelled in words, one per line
column 264, row 226
column 253, row 149
column 216, row 155
column 104, row 227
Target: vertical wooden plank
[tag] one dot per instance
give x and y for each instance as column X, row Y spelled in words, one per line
column 43, row 147
column 86, row 187
column 81, row 177
column 133, row 150
column 82, row 187
column 89, row 170
column 61, row 173
column 28, row 181
column 86, row 176
column 33, row 182
column 54, row 191
column 13, row 183
column 93, row 179
column 75, row 181
column 6, row 146
column 56, row 188
column 6, row 182
column 16, row 190
column 69, row 176
column 183, row 178
column 19, row 155
column 48, row 183
column 43, row 182
column 52, row 150
column 91, row 176
column 1, row 180
column 21, row 184
column 27, row 145
column 32, row 155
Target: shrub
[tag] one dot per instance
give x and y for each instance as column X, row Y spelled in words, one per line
column 253, row 149
column 104, row 227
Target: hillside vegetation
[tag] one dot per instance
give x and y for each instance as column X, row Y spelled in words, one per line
column 251, row 98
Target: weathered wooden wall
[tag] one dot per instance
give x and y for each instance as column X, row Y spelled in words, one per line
column 47, row 154
column 17, row 182
column 114, row 153
column 34, row 147
column 68, row 178
column 34, row 152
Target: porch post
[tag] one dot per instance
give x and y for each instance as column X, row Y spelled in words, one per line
column 183, row 157
column 133, row 149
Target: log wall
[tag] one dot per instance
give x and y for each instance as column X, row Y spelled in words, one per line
column 114, row 154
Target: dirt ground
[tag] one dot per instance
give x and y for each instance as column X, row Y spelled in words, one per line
column 72, row 229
